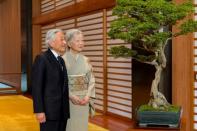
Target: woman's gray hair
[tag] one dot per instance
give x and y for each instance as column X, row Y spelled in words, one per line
column 50, row 36
column 70, row 34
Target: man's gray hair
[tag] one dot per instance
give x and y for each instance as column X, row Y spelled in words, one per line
column 50, row 36
column 70, row 34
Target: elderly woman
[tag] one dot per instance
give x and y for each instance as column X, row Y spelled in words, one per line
column 81, row 81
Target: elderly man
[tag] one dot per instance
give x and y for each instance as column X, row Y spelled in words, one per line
column 50, row 84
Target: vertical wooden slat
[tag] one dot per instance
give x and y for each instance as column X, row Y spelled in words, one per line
column 105, row 58
column 75, row 22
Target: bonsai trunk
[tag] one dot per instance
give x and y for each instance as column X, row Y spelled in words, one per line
column 158, row 100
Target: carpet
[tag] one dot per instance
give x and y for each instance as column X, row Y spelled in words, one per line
column 16, row 114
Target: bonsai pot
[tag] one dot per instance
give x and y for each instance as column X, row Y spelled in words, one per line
column 149, row 117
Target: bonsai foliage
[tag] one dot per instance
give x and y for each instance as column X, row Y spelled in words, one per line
column 141, row 23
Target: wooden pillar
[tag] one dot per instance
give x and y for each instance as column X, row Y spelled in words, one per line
column 105, row 60
column 182, row 75
column 36, row 29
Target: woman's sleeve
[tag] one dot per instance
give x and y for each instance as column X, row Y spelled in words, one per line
column 91, row 84
column 70, row 93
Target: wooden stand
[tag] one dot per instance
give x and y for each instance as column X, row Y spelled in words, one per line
column 157, row 127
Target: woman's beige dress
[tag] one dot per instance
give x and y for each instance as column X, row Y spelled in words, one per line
column 81, row 83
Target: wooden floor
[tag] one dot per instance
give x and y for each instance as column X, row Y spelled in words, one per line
column 112, row 123
column 117, row 124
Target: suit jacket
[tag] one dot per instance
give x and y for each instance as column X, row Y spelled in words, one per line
column 50, row 87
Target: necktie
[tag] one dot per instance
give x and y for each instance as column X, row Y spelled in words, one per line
column 61, row 62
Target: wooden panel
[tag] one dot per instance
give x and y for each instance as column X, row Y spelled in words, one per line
column 89, row 25
column 47, row 6
column 10, row 42
column 73, row 10
column 63, row 3
column 52, row 5
column 119, row 79
column 66, row 24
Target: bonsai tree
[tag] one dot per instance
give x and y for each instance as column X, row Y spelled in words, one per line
column 141, row 23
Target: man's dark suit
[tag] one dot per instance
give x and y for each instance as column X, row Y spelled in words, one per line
column 50, row 88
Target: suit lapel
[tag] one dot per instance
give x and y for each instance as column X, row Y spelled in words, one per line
column 54, row 61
